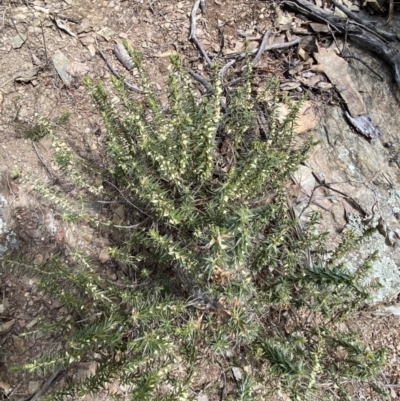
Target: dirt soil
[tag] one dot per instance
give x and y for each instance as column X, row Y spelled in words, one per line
column 31, row 33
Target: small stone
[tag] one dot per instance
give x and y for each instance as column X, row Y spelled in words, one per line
column 38, row 259
column 19, row 344
column 61, row 62
column 119, row 214
column 104, row 255
column 92, row 50
column 33, row 387
column 31, row 323
column 56, row 304
column 87, row 233
column 18, row 40
column 6, row 327
column 106, row 33
column 237, row 374
column 5, row 386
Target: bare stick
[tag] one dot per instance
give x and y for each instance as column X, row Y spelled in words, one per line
column 44, row 42
column 366, row 65
column 45, row 386
column 202, row 80
column 273, row 47
column 203, row 7
column 193, row 36
column 225, row 67
column 5, row 153
column 41, row 159
column 346, row 11
column 116, row 73
column 66, row 18
column 262, row 48
column 127, row 200
column 208, row 86
column 355, row 18
column 391, row 10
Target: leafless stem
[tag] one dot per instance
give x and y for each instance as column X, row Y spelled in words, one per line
column 262, row 47
column 66, row 18
column 203, row 7
column 273, row 47
column 202, row 80
column 193, row 36
column 360, row 21
column 127, row 200
column 116, row 73
column 365, row 64
column 41, row 159
column 44, row 42
column 391, row 10
column 223, row 70
column 46, row 385
column 5, row 153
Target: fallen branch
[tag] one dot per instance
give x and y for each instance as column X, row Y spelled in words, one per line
column 193, row 36
column 45, row 386
column 354, row 31
column 225, row 67
column 208, row 86
column 364, row 63
column 391, row 11
column 355, row 18
column 262, row 48
column 116, row 73
column 272, row 47
column 41, row 159
column 202, row 80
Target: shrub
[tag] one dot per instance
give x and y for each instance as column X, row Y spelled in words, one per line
column 224, row 275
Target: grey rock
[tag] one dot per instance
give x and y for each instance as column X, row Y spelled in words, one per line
column 61, row 62
column 361, row 178
column 18, row 40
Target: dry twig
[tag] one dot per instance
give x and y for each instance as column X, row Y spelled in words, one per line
column 193, row 36
column 225, row 67
column 45, row 386
column 262, row 48
column 202, row 80
column 116, row 73
column 272, row 47
column 41, row 159
column 391, row 11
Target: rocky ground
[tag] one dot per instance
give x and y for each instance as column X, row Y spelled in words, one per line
column 46, row 47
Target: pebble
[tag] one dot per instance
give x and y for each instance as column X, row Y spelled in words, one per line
column 33, row 387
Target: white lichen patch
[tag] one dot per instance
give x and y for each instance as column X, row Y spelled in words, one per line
column 394, row 200
column 7, row 237
column 3, row 204
column 384, row 270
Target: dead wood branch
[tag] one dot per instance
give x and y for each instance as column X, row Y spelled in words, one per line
column 202, row 80
column 262, row 47
column 225, row 67
column 193, row 36
column 358, row 33
column 364, row 63
column 41, row 159
column 116, row 73
column 273, row 47
column 45, row 386
column 391, row 11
